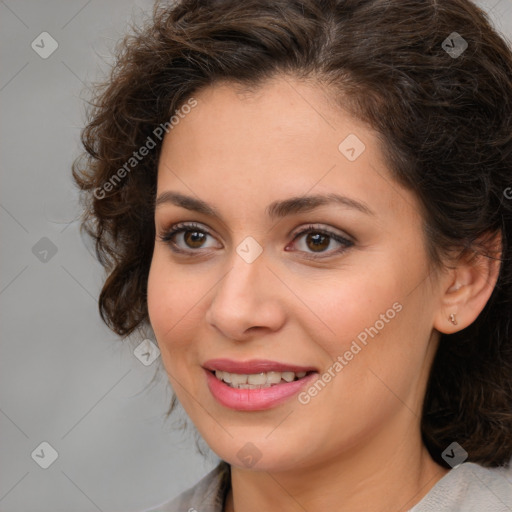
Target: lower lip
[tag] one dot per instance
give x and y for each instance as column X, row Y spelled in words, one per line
column 255, row 399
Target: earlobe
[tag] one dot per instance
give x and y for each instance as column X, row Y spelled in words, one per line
column 467, row 288
column 453, row 302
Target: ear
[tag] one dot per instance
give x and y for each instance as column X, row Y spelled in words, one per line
column 467, row 285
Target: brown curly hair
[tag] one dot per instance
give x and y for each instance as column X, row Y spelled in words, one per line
column 445, row 121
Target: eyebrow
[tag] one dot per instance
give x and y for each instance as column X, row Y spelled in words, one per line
column 277, row 209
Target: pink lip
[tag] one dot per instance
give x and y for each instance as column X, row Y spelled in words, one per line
column 254, row 366
column 254, row 399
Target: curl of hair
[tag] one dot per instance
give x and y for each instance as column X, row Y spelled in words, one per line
column 446, row 129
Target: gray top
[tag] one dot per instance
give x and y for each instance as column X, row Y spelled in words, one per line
column 465, row 488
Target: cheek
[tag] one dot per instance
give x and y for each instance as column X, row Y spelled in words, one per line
column 177, row 299
column 349, row 306
column 372, row 368
column 161, row 297
column 371, row 323
column 170, row 304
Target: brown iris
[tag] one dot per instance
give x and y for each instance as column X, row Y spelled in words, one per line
column 194, row 239
column 318, row 241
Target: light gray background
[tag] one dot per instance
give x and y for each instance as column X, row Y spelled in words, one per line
column 64, row 377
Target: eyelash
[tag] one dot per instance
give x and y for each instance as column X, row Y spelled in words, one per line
column 168, row 236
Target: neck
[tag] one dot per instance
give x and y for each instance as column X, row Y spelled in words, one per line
column 391, row 478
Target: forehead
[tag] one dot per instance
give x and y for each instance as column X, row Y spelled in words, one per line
column 274, row 121
column 283, row 138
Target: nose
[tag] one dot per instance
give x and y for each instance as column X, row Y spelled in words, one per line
column 247, row 301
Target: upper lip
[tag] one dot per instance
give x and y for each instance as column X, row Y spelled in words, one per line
column 254, row 366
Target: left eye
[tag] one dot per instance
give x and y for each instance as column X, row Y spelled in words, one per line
column 319, row 241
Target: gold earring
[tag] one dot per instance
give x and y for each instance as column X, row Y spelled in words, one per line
column 452, row 319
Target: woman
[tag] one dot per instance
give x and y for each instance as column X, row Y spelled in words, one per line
column 307, row 204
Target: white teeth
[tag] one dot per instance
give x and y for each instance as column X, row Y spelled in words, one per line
column 288, row 376
column 257, row 380
column 237, row 379
column 274, row 377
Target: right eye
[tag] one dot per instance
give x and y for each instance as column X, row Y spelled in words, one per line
column 186, row 238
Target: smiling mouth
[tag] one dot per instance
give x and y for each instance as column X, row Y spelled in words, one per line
column 258, row 380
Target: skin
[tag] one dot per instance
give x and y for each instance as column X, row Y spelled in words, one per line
column 356, row 445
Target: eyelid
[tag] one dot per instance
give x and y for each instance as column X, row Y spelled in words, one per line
column 322, row 229
column 183, row 226
column 167, row 234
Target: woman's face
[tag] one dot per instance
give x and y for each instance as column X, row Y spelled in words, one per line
column 299, row 249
